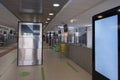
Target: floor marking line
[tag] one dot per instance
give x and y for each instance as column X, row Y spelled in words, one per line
column 24, row 74
column 43, row 73
column 70, row 65
column 14, row 61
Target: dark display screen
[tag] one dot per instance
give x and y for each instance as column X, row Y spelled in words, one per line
column 33, row 29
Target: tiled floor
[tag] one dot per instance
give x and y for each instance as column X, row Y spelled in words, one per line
column 34, row 73
column 55, row 67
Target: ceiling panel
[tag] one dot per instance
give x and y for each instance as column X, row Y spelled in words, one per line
column 72, row 9
column 33, row 10
column 35, row 6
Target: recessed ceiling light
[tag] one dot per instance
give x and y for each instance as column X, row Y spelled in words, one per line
column 51, row 14
column 46, row 22
column 48, row 18
column 56, row 5
column 100, row 16
column 73, row 20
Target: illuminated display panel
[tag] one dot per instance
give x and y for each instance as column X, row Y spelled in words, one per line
column 106, row 47
column 30, row 44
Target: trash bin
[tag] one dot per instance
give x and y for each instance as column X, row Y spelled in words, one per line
column 63, row 48
column 57, row 47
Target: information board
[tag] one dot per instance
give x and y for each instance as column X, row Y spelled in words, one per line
column 106, row 45
column 30, row 44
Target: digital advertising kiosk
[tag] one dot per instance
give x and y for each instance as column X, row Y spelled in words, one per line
column 106, row 45
column 30, row 44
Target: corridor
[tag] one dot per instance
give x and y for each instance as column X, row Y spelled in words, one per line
column 55, row 67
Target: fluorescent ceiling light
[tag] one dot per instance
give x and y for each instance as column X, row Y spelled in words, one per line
column 51, row 14
column 56, row 5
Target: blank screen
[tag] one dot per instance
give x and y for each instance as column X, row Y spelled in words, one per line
column 106, row 47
